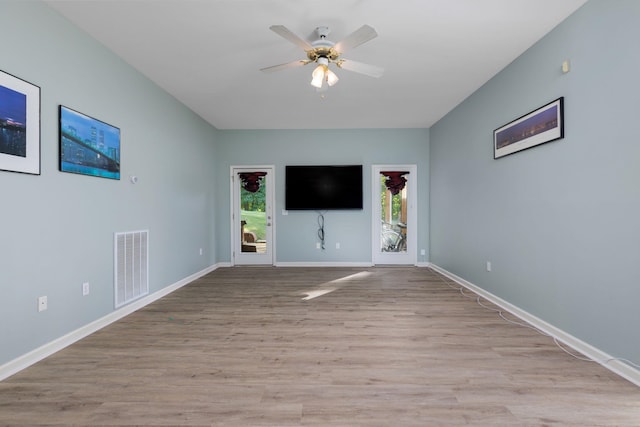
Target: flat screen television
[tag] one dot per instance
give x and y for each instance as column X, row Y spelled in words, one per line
column 323, row 187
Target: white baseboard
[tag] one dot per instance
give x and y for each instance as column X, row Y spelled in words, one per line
column 16, row 365
column 340, row 264
column 324, row 264
column 609, row 362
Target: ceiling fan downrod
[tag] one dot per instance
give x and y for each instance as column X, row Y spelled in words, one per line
column 322, row 47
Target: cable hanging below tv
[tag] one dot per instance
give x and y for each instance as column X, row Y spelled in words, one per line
column 323, row 187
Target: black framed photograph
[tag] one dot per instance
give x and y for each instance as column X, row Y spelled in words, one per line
column 543, row 125
column 88, row 146
column 19, row 125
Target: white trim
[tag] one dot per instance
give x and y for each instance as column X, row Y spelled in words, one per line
column 22, row 362
column 323, row 264
column 616, row 366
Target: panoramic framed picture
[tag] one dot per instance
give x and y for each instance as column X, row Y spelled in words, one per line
column 88, row 146
column 19, row 125
column 545, row 124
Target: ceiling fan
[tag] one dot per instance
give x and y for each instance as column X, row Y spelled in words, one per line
column 325, row 52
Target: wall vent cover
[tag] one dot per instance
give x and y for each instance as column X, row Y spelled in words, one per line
column 131, row 266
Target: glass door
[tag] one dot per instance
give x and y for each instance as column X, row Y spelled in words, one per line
column 252, row 216
column 394, row 229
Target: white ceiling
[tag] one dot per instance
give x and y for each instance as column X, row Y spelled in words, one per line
column 207, row 53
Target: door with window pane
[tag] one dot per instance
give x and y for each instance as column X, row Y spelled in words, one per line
column 252, row 216
column 394, row 216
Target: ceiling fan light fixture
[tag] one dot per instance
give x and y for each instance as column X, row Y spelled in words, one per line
column 320, row 73
column 317, row 77
column 331, row 78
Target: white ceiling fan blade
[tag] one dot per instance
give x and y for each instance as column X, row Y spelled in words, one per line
column 359, row 36
column 279, row 67
column 283, row 31
column 359, row 67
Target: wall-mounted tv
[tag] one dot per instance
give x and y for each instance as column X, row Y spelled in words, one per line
column 323, row 187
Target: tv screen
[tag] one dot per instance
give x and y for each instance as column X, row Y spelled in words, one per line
column 323, row 187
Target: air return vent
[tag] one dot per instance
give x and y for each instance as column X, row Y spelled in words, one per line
column 131, row 266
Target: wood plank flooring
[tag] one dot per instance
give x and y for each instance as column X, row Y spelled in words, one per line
column 390, row 346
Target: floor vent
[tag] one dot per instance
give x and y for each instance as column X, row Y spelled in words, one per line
column 131, row 266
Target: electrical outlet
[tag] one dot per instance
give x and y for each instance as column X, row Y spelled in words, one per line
column 318, row 245
column 423, row 252
column 85, row 289
column 488, row 265
column 200, row 251
column 42, row 303
column 338, row 245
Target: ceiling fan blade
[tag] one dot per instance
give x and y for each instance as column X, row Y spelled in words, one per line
column 283, row 31
column 359, row 67
column 279, row 67
column 359, row 36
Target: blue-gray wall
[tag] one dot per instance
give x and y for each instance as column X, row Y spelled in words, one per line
column 560, row 223
column 296, row 232
column 56, row 229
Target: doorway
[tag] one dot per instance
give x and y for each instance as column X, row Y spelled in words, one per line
column 394, row 239
column 252, row 221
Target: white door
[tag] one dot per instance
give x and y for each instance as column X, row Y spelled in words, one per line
column 394, row 214
column 252, row 221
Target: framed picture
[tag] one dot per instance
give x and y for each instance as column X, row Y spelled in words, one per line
column 88, row 146
column 19, row 125
column 542, row 125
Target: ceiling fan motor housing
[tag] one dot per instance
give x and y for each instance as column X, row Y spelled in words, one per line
column 322, row 47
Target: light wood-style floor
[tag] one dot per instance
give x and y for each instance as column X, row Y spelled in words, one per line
column 390, row 346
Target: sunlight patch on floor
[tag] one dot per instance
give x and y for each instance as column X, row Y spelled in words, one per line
column 316, row 294
column 329, row 287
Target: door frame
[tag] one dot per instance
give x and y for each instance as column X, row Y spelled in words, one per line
column 410, row 257
column 236, row 255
